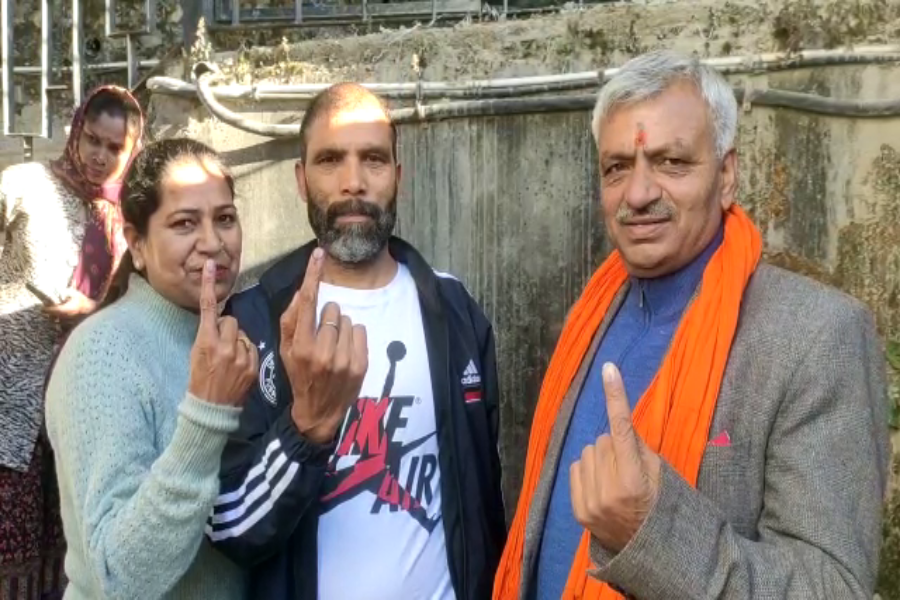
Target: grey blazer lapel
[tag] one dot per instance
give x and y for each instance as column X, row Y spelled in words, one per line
column 537, row 512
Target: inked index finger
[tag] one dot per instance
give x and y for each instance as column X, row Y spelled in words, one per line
column 624, row 438
column 208, row 304
column 308, row 299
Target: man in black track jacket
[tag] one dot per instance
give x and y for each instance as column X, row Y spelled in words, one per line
column 366, row 464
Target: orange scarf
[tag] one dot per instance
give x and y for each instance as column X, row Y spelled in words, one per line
column 673, row 416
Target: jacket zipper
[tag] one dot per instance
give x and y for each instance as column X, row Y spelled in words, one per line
column 459, row 499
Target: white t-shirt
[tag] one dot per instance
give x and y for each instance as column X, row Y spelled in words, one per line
column 381, row 534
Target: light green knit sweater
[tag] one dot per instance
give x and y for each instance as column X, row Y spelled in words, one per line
column 137, row 456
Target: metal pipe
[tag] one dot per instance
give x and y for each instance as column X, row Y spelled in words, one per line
column 467, row 89
column 46, row 51
column 149, row 16
column 177, row 87
column 110, row 17
column 6, row 32
column 821, row 105
column 204, row 73
column 298, row 11
column 310, row 21
column 77, row 49
column 107, row 66
column 27, row 148
column 9, row 100
column 131, row 53
column 540, row 83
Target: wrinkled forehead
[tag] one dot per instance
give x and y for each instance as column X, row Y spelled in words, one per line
column 678, row 115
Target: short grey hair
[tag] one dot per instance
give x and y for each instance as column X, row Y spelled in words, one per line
column 648, row 75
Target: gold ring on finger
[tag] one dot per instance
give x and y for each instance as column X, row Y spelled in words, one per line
column 331, row 324
column 246, row 343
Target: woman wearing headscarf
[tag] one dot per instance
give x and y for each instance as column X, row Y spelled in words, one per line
column 60, row 241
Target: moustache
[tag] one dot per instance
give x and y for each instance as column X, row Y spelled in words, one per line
column 355, row 207
column 659, row 209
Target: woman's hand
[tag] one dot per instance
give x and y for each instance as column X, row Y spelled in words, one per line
column 75, row 307
column 224, row 362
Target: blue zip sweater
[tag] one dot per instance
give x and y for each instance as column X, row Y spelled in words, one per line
column 636, row 341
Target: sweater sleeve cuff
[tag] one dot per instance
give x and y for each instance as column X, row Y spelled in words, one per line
column 215, row 417
column 200, row 436
column 637, row 568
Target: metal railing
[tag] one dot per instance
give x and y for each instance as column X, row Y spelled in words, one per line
column 231, row 15
column 47, row 69
column 234, row 15
column 129, row 35
column 9, row 89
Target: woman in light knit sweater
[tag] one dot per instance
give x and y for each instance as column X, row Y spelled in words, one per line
column 145, row 391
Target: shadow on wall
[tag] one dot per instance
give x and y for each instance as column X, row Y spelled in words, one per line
column 270, row 151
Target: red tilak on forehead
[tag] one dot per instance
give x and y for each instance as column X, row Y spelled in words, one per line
column 641, row 137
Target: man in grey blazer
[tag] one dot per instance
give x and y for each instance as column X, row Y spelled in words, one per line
column 790, row 455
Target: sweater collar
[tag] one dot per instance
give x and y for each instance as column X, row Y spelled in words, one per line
column 669, row 294
column 160, row 312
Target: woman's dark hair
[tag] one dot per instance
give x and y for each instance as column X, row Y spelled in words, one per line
column 142, row 193
column 115, row 105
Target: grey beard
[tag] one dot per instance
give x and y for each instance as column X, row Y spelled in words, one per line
column 355, row 244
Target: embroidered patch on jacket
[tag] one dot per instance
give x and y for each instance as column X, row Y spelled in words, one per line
column 471, row 382
column 267, row 378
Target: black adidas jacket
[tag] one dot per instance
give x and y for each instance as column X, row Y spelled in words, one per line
column 265, row 518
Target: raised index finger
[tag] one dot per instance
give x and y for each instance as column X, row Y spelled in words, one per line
column 308, row 299
column 625, row 441
column 208, row 304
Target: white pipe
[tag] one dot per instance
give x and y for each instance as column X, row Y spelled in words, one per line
column 439, row 86
column 728, row 64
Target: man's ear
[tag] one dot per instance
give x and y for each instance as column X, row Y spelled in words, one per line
column 729, row 178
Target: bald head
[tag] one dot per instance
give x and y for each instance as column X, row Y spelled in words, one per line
column 350, row 99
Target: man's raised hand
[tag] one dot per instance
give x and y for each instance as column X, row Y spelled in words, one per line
column 325, row 365
column 616, row 482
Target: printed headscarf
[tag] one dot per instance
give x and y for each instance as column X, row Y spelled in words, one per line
column 103, row 243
